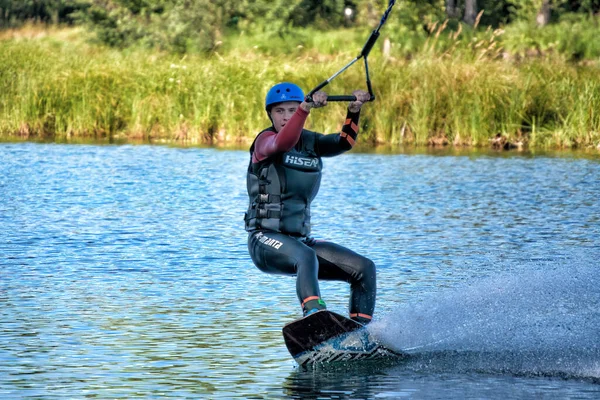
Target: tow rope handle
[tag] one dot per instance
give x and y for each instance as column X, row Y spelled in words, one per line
column 363, row 54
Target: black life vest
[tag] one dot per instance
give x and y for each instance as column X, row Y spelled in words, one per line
column 281, row 188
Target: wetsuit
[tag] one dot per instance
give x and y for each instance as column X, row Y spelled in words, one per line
column 283, row 178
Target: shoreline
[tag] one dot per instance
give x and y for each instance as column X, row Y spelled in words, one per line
column 361, row 148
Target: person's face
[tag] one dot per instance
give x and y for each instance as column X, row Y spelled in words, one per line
column 282, row 112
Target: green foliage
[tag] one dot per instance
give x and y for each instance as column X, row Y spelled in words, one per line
column 15, row 12
column 442, row 81
column 198, row 26
column 186, row 26
column 321, row 13
column 179, row 25
column 581, row 6
column 574, row 38
column 63, row 90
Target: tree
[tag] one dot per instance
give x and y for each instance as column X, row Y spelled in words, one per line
column 470, row 11
column 451, row 10
column 543, row 15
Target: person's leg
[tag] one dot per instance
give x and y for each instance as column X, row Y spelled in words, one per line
column 339, row 263
column 277, row 253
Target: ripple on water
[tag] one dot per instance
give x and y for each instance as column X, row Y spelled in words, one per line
column 124, row 273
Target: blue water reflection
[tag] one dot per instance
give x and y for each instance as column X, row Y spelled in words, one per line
column 124, row 273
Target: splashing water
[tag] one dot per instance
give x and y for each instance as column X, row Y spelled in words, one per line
column 543, row 322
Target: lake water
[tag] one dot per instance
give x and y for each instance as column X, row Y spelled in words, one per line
column 124, row 274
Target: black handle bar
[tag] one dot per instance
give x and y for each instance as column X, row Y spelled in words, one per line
column 349, row 97
column 343, row 97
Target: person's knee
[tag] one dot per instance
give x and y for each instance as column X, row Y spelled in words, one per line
column 367, row 270
column 307, row 262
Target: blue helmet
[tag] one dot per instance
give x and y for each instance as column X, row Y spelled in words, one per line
column 283, row 92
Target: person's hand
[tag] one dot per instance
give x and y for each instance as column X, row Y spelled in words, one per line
column 361, row 98
column 319, row 100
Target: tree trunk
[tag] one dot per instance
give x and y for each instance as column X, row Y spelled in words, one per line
column 543, row 16
column 470, row 11
column 451, row 8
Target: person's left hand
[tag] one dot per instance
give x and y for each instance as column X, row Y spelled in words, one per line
column 319, row 99
column 361, row 98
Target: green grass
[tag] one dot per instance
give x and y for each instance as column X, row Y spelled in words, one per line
column 60, row 87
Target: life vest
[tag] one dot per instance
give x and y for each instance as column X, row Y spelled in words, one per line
column 281, row 188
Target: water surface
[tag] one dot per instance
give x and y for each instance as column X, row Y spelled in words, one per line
column 124, row 273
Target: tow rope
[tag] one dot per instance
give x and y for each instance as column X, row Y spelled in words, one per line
column 363, row 54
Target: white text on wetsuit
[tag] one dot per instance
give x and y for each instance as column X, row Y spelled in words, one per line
column 276, row 244
column 307, row 162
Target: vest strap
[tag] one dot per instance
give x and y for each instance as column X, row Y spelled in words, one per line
column 268, row 198
column 261, row 213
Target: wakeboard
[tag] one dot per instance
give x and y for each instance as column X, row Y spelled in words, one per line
column 327, row 337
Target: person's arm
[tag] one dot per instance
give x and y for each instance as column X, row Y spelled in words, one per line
column 271, row 142
column 337, row 143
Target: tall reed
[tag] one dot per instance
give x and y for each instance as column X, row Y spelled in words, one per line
column 462, row 94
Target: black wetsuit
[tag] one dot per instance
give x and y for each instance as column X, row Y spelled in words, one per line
column 281, row 188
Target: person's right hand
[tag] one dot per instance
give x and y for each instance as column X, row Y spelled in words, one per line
column 319, row 99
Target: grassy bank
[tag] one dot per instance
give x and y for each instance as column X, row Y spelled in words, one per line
column 58, row 86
